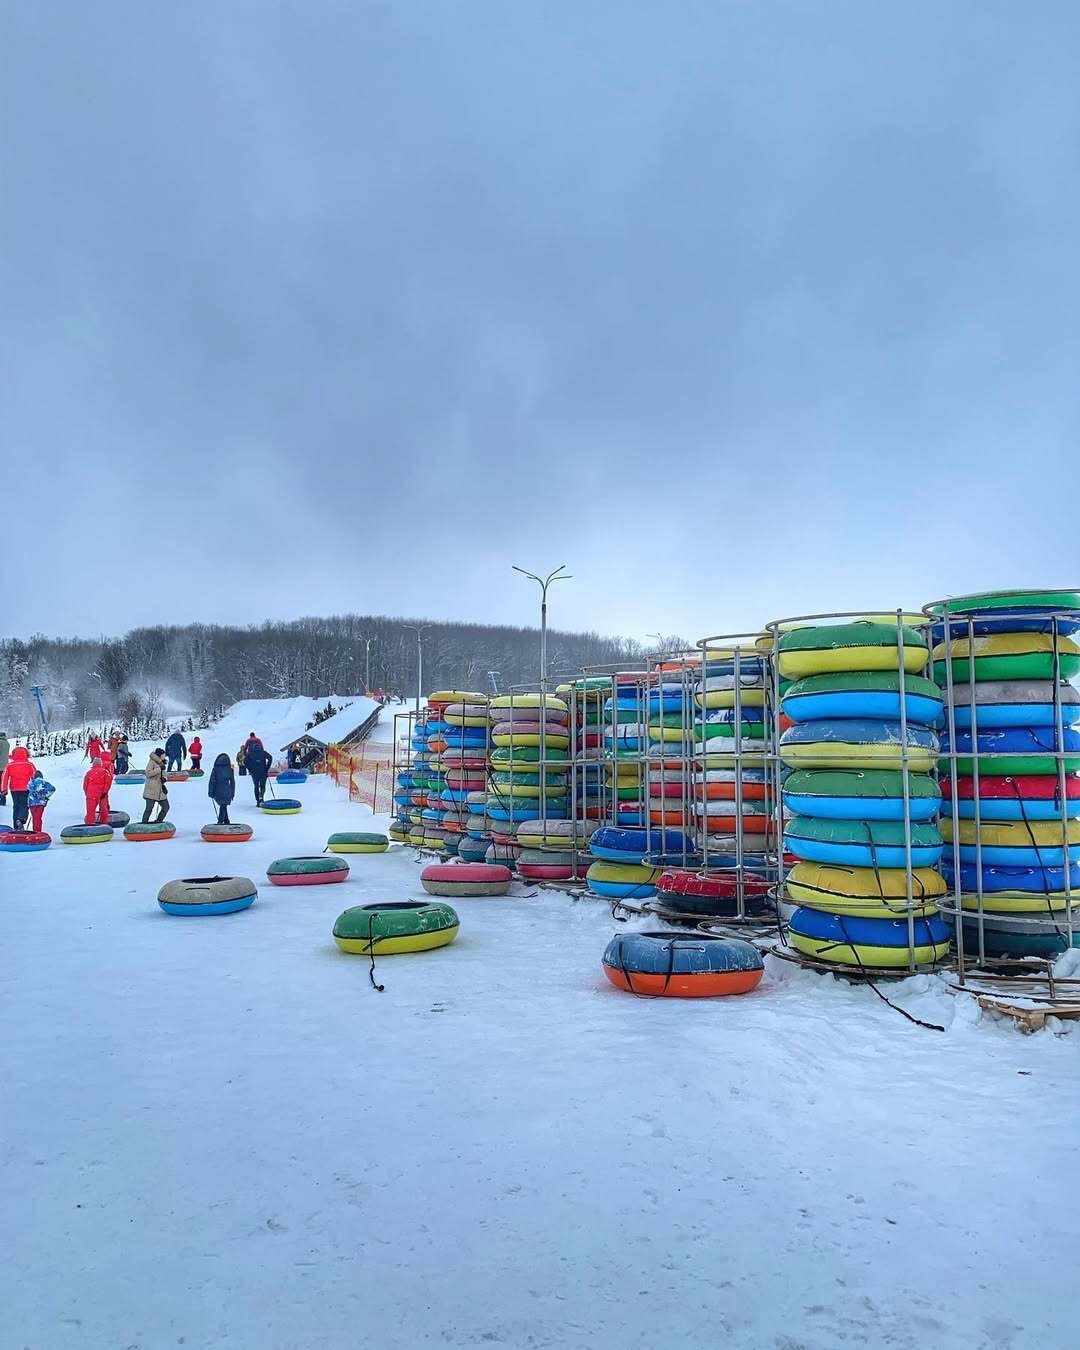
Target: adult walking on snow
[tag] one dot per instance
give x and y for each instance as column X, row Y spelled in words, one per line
column 257, row 762
column 222, row 787
column 5, row 755
column 96, row 784
column 155, row 790
column 175, row 749
column 16, row 780
column 123, row 755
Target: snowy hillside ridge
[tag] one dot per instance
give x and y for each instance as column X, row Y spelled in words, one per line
column 277, row 721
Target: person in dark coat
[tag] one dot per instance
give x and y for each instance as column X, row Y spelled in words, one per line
column 257, row 763
column 123, row 755
column 222, row 787
column 175, row 750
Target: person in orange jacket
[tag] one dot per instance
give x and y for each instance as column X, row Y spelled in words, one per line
column 195, row 751
column 114, row 741
column 16, row 780
column 96, row 785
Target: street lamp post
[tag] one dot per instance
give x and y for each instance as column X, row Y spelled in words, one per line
column 419, row 629
column 544, row 583
column 367, row 641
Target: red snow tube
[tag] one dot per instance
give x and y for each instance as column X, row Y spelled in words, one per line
column 1037, row 787
column 15, row 840
column 180, row 777
column 666, row 789
column 466, row 879
column 553, row 871
column 667, row 817
column 719, row 885
column 725, row 792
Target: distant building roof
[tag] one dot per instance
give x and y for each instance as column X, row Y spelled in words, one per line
column 343, row 726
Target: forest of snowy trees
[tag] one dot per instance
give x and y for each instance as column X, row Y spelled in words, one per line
column 155, row 672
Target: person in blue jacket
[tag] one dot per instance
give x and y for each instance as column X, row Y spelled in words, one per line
column 175, row 749
column 258, row 763
column 222, row 787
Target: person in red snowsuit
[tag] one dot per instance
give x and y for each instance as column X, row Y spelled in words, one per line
column 96, row 785
column 16, row 780
column 195, row 751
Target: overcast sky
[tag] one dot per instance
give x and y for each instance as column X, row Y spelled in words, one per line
column 742, row 310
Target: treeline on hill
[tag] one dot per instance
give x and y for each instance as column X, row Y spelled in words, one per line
column 198, row 668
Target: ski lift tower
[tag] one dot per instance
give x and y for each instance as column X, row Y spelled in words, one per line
column 37, row 690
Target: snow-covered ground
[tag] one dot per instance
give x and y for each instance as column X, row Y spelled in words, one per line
column 215, row 1133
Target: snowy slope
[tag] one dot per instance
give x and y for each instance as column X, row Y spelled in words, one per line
column 276, row 721
column 216, row 1134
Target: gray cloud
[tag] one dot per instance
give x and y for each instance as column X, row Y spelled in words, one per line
column 742, row 310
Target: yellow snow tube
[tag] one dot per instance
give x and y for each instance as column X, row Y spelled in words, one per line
column 456, row 696
column 840, row 755
column 391, row 946
column 638, row 873
column 1019, row 902
column 523, row 701
column 1012, row 834
column 863, row 892
column 887, row 958
column 794, row 665
column 725, row 698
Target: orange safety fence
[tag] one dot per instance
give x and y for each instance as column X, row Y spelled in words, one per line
column 367, row 771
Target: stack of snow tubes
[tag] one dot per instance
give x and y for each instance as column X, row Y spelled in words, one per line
column 670, row 706
column 530, row 759
column 436, row 810
column 410, row 795
column 1011, row 818
column 625, row 744
column 734, row 802
column 553, row 850
column 844, row 798
column 629, row 859
column 585, row 700
column 463, row 747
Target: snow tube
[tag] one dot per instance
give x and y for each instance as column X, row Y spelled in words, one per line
column 1027, row 611
column 85, row 834
column 1016, row 750
column 860, row 794
column 627, row 845
column 549, row 702
column 528, row 735
column 714, row 894
column 878, row 944
column 1014, row 703
column 1007, row 935
column 862, row 891
column 445, row 697
column 863, row 694
column 622, row 881
column 118, row 819
column 353, row 842
column 466, row 879
column 180, row 777
column 1013, row 890
column 139, row 833
column 226, row 834
column 551, row 865
column 1015, row 843
column 313, row 871
column 861, row 843
column 200, row 897
column 292, row 776
column 1023, row 797
column 857, row 743
column 669, row 965
column 557, row 833
column 282, row 806
column 1007, row 656
column 398, row 926
column 24, row 841
column 129, row 779
column 196, row 773
column 838, row 648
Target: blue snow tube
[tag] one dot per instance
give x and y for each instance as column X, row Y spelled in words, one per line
column 292, row 776
column 1032, row 880
column 619, row 843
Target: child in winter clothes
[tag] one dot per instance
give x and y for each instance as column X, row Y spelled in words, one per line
column 16, row 780
column 38, row 793
column 96, row 785
column 195, row 751
column 222, row 787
